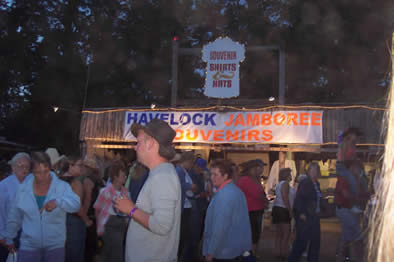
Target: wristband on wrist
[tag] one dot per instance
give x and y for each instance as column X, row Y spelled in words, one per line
column 132, row 212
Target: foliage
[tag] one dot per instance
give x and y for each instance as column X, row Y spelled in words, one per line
column 79, row 54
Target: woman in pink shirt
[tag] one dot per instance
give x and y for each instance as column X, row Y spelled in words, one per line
column 250, row 184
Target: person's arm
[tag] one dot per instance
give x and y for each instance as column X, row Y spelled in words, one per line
column 70, row 201
column 88, row 186
column 99, row 204
column 284, row 190
column 164, row 200
column 14, row 220
column 181, row 175
column 308, row 198
column 164, row 197
column 98, row 207
column 77, row 188
column 3, row 212
column 301, row 199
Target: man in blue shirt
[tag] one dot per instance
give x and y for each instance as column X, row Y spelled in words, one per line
column 227, row 232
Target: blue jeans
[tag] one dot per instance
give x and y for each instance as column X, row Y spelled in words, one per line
column 193, row 227
column 75, row 240
column 41, row 255
column 113, row 238
column 350, row 224
column 3, row 253
column 306, row 231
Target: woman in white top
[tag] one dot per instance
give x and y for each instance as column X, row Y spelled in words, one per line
column 282, row 211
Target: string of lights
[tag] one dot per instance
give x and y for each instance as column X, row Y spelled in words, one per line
column 220, row 107
column 105, row 139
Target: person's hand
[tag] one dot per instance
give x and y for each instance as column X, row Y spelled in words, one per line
column 88, row 222
column 209, row 258
column 11, row 248
column 291, row 213
column 303, row 217
column 270, row 197
column 124, row 205
column 49, row 206
column 194, row 188
column 203, row 195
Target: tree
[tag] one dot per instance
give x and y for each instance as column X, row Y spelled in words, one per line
column 83, row 53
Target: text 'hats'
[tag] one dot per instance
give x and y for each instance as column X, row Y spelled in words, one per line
column 161, row 132
column 201, row 162
column 54, row 155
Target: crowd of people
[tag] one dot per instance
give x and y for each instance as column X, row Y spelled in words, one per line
column 168, row 206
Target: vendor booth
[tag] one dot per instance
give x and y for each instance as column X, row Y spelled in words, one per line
column 304, row 132
column 297, row 134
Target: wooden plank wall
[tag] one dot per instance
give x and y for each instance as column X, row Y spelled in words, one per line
column 108, row 125
column 368, row 121
column 103, row 126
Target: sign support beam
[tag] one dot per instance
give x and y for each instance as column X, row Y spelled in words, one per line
column 177, row 51
column 174, row 76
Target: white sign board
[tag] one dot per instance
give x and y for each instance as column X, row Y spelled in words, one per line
column 223, row 57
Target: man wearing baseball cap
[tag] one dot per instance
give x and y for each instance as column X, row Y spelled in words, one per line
column 154, row 228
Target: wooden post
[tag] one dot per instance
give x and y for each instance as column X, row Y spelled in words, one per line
column 389, row 155
column 282, row 76
column 392, row 59
column 282, row 86
column 174, row 73
column 282, row 159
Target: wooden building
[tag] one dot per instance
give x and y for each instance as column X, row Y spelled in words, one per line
column 102, row 133
column 102, row 129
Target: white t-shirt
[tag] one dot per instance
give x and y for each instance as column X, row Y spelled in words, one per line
column 278, row 196
column 273, row 178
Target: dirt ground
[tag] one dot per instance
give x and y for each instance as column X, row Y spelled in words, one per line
column 330, row 231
